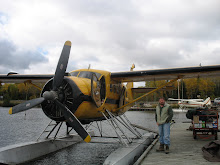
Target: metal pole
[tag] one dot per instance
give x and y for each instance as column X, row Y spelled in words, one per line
column 58, row 130
column 131, row 125
column 120, row 138
column 113, row 119
column 123, row 122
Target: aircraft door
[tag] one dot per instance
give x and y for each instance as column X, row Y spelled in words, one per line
column 97, row 90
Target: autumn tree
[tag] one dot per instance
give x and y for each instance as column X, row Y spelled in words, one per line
column 22, row 88
column 216, row 80
column 188, row 88
column 20, row 91
column 199, row 86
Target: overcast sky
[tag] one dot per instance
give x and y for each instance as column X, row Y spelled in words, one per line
column 108, row 34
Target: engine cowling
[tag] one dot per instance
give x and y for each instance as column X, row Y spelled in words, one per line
column 65, row 94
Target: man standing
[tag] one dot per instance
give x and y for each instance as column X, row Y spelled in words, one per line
column 163, row 116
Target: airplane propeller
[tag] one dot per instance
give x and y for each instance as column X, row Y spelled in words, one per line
column 53, row 95
column 61, row 66
column 26, row 105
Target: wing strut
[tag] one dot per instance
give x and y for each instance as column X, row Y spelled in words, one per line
column 29, row 82
column 170, row 82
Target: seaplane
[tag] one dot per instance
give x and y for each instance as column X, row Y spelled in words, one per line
column 192, row 103
column 83, row 96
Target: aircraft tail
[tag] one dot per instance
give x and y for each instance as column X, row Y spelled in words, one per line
column 130, row 85
column 207, row 101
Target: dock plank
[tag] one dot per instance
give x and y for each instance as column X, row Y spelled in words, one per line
column 184, row 149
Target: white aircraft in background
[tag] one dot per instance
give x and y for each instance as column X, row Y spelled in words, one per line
column 192, row 103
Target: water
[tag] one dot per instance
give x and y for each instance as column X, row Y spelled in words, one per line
column 20, row 128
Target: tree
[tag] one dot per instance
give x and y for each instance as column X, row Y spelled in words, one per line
column 6, row 100
column 216, row 80
column 20, row 91
column 157, row 94
column 13, row 91
column 206, row 88
column 199, row 86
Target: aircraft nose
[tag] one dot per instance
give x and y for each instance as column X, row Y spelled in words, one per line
column 68, row 94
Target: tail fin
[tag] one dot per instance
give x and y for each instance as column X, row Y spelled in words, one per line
column 130, row 85
column 132, row 67
column 208, row 101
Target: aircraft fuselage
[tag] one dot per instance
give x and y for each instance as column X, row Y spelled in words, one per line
column 84, row 102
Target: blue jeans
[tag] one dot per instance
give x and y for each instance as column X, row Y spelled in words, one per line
column 164, row 132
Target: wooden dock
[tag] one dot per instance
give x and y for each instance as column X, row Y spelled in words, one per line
column 184, row 149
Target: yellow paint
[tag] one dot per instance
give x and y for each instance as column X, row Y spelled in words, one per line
column 87, row 110
column 10, row 111
column 132, row 67
column 68, row 43
column 84, row 84
column 87, row 139
column 129, row 87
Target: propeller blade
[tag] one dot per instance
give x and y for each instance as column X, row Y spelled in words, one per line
column 62, row 65
column 25, row 105
column 74, row 122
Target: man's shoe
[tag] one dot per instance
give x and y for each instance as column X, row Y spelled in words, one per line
column 161, row 148
column 167, row 151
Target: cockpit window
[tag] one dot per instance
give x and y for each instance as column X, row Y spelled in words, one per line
column 74, row 74
column 85, row 74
